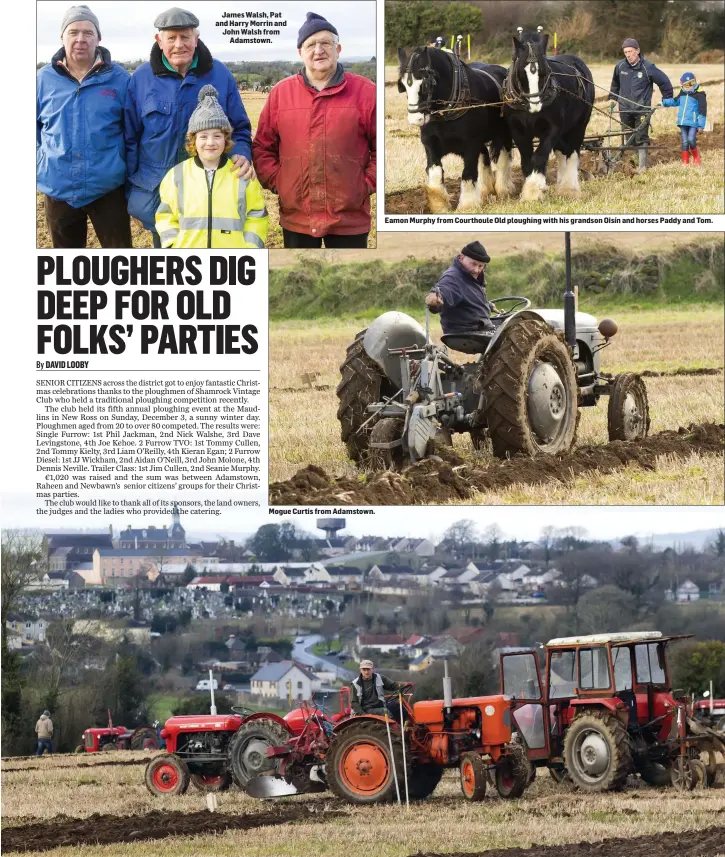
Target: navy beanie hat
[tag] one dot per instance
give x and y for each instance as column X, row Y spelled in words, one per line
column 314, row 24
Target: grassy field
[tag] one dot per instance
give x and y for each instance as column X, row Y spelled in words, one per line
column 546, row 814
column 666, row 188
column 253, row 102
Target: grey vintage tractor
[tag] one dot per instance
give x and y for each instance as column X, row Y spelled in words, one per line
column 532, row 372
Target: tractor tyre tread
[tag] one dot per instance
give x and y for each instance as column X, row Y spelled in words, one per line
column 620, row 748
column 503, row 380
column 621, row 386
column 141, row 735
column 520, row 768
column 364, row 729
column 275, row 734
column 178, row 763
column 360, row 386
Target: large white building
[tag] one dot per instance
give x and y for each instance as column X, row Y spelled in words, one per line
column 284, row 680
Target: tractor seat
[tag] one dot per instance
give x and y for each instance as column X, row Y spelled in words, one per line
column 475, row 342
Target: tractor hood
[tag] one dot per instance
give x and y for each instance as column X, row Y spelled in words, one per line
column 392, row 330
column 555, row 317
column 201, row 722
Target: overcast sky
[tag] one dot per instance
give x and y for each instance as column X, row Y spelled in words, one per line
column 127, row 27
column 523, row 523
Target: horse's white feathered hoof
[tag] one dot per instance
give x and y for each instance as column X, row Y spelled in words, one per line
column 438, row 200
column 470, row 197
column 503, row 181
column 567, row 179
column 486, row 181
column 534, row 187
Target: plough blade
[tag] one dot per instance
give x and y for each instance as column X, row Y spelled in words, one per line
column 269, row 787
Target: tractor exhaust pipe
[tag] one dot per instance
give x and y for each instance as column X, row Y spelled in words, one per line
column 447, row 689
column 569, row 298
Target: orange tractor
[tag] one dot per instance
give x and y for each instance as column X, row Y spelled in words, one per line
column 372, row 759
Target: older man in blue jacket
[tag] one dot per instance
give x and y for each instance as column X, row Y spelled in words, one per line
column 460, row 294
column 162, row 95
column 633, row 82
column 80, row 156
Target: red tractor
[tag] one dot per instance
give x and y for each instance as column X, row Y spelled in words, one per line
column 105, row 738
column 605, row 710
column 212, row 751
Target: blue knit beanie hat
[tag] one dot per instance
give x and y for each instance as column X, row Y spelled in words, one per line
column 314, row 24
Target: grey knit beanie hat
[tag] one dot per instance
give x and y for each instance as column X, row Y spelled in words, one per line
column 208, row 113
column 79, row 13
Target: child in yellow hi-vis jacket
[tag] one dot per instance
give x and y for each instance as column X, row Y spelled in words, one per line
column 203, row 203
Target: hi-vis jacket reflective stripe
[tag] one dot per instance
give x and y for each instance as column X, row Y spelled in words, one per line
column 230, row 214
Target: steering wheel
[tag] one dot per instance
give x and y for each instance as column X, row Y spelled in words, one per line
column 519, row 304
column 240, row 709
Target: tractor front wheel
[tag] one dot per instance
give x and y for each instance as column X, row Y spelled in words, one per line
column 530, row 390
column 79, row 749
column 248, row 749
column 212, row 782
column 473, row 777
column 597, row 752
column 628, row 411
column 167, row 775
column 359, row 765
column 513, row 773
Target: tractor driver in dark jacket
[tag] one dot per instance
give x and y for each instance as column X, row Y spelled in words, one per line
column 368, row 691
column 632, row 86
column 460, row 294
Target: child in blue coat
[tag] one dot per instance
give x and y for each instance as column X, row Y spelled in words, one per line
column 692, row 103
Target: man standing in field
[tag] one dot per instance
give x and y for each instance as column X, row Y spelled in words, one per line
column 315, row 145
column 162, row 95
column 80, row 157
column 632, row 85
column 44, row 731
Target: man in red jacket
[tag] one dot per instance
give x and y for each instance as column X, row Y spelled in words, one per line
column 315, row 145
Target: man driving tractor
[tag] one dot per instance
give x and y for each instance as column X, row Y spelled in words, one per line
column 368, row 691
column 460, row 294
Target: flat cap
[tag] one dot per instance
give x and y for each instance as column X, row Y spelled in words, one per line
column 176, row 19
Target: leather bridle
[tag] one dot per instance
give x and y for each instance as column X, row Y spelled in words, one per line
column 514, row 94
column 460, row 95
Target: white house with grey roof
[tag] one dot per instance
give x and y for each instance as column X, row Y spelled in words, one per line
column 284, row 679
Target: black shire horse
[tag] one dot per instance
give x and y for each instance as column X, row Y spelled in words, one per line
column 437, row 80
column 549, row 98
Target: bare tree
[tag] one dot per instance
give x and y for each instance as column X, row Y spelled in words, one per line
column 460, row 534
column 23, row 562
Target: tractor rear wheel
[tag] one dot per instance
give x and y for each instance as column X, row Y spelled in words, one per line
column 597, row 752
column 248, row 749
column 212, row 782
column 530, row 390
column 144, row 738
column 423, row 779
column 628, row 410
column 363, row 383
column 473, row 777
column 79, row 749
column 387, row 430
column 513, row 773
column 359, row 765
column 167, row 775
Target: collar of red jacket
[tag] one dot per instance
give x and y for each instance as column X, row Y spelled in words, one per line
column 336, row 80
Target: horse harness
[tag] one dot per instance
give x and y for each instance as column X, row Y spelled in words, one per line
column 517, row 99
column 460, row 95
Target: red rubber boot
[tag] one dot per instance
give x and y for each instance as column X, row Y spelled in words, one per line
column 696, row 157
column 686, row 158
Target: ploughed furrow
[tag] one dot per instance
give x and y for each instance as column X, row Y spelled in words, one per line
column 100, row 829
column 691, row 843
column 434, row 481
